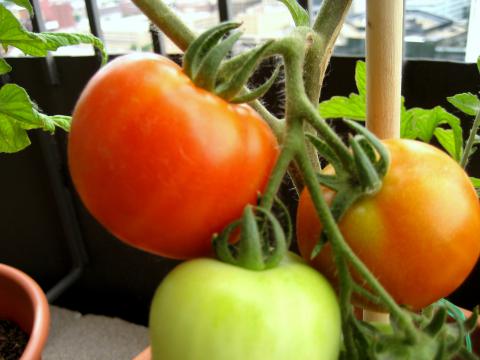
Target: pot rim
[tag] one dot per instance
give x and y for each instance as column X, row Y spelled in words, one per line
column 41, row 321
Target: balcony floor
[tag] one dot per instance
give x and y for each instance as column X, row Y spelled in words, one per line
column 89, row 337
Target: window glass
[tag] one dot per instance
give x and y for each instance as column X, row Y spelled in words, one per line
column 433, row 29
column 124, row 27
column 198, row 15
column 261, row 20
column 67, row 16
column 443, row 30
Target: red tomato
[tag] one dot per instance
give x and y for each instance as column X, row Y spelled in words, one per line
column 161, row 163
column 420, row 235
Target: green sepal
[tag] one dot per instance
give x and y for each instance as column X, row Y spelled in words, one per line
column 437, row 322
column 360, row 290
column 331, row 181
column 229, row 89
column 367, row 147
column 206, row 75
column 251, row 251
column 322, row 241
column 249, row 246
column 221, row 245
column 257, row 92
column 299, row 14
column 280, row 243
column 203, row 44
column 383, row 163
column 325, row 151
column 340, row 204
column 280, row 209
column 368, row 176
column 467, row 355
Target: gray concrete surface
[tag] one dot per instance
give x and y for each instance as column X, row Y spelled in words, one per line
column 92, row 337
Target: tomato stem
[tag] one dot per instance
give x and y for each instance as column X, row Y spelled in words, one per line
column 252, row 251
column 278, row 173
column 327, row 26
column 471, row 140
column 166, row 20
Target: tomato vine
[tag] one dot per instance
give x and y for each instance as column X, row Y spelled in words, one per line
column 359, row 168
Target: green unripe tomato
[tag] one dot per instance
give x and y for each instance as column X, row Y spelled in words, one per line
column 209, row 310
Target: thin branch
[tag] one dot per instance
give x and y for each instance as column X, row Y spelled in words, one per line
column 471, row 140
column 166, row 20
column 326, row 28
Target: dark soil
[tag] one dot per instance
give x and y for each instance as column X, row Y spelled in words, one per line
column 12, row 340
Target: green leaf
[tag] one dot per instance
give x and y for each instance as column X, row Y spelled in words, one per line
column 478, row 64
column 23, row 3
column 12, row 137
column 299, row 14
column 421, row 124
column 55, row 40
column 12, row 33
column 16, row 106
column 4, row 67
column 446, row 138
column 361, row 77
column 454, row 123
column 351, row 107
column 18, row 114
column 407, row 124
column 465, row 102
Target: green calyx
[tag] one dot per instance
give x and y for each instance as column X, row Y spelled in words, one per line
column 203, row 62
column 255, row 250
column 369, row 161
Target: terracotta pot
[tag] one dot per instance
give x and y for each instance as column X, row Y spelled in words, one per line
column 146, row 354
column 23, row 302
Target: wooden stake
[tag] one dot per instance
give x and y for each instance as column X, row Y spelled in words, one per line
column 384, row 46
column 384, row 50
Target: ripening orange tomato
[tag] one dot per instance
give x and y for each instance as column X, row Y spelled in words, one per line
column 419, row 235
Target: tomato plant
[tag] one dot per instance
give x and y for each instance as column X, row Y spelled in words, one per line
column 161, row 163
column 164, row 163
column 419, row 235
column 206, row 309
